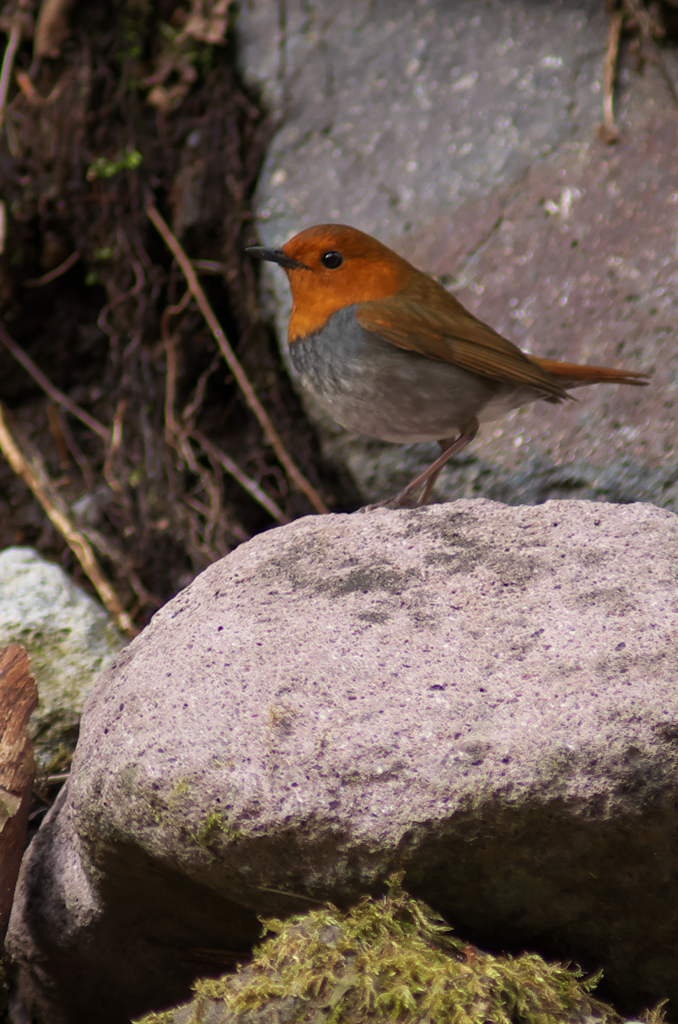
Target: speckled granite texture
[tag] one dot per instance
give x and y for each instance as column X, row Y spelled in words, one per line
column 484, row 696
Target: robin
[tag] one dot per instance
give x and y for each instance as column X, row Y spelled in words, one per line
column 388, row 352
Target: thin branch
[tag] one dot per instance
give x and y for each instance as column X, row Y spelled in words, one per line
column 171, row 426
column 73, row 448
column 31, row 93
column 243, row 479
column 608, row 132
column 116, row 441
column 651, row 28
column 52, row 29
column 179, row 439
column 233, row 363
column 643, row 19
column 210, row 266
column 175, row 433
column 190, row 410
column 668, row 81
column 8, row 62
column 39, row 483
column 210, row 485
column 38, row 282
column 110, row 550
column 57, row 396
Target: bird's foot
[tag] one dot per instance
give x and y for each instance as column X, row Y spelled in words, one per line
column 428, row 478
column 402, row 500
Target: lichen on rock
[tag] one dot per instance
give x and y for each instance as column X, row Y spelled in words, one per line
column 390, row 959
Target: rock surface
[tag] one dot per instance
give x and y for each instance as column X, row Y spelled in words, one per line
column 480, row 695
column 464, row 136
column 69, row 638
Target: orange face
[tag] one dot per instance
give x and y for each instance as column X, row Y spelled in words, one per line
column 337, row 266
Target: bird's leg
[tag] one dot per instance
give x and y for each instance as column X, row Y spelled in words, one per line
column 431, row 473
column 426, row 493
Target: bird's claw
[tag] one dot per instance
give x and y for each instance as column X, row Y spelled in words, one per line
column 398, row 501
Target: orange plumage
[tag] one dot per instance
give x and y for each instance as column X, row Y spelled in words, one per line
column 387, row 351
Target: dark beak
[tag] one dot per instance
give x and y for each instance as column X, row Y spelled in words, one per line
column 276, row 256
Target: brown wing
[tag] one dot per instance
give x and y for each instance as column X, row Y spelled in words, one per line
column 442, row 329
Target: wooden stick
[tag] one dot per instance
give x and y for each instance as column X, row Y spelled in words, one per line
column 236, row 369
column 38, row 282
column 174, row 433
column 77, row 542
column 608, row 131
column 8, row 62
column 652, row 28
column 57, row 396
column 245, row 481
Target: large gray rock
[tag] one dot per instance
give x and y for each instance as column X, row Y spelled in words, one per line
column 464, row 136
column 483, row 696
column 69, row 638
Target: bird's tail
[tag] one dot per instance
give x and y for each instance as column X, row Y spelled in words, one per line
column 575, row 376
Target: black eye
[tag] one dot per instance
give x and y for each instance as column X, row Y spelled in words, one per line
column 332, row 260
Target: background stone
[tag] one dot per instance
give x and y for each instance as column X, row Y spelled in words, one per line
column 482, row 696
column 464, row 136
column 69, row 638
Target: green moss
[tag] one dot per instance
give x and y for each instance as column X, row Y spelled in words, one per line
column 167, row 1017
column 59, row 763
column 104, row 168
column 211, row 826
column 393, row 959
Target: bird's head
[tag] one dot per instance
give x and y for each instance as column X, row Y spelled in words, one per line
column 331, row 266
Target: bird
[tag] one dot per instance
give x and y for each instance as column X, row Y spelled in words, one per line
column 388, row 352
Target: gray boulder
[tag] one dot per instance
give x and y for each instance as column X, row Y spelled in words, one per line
column 482, row 696
column 464, row 136
column 69, row 638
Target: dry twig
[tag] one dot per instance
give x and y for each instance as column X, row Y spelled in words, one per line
column 179, row 438
column 651, row 28
column 38, row 282
column 125, row 566
column 643, row 19
column 54, row 393
column 53, row 28
column 608, row 131
column 233, row 363
column 35, row 476
column 8, row 60
column 246, row 482
column 114, row 446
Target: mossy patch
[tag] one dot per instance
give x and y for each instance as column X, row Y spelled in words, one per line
column 390, row 959
column 215, row 824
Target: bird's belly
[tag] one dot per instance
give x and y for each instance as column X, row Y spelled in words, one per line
column 372, row 387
